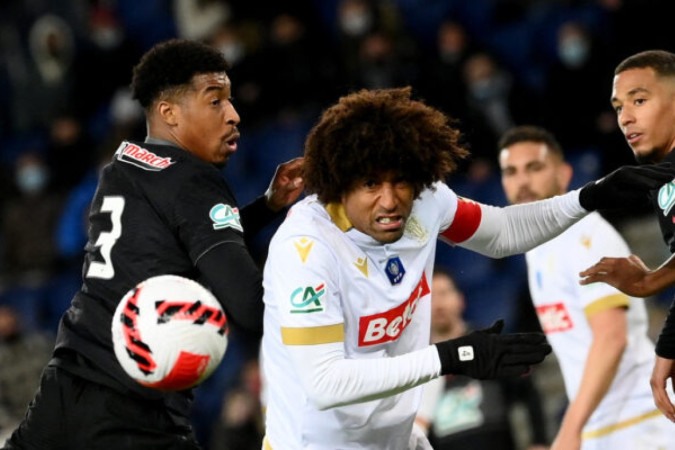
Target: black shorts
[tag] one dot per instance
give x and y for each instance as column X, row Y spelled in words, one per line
column 71, row 413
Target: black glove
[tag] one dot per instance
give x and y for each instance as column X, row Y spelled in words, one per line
column 484, row 354
column 626, row 187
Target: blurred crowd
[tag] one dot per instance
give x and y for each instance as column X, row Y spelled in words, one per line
column 65, row 106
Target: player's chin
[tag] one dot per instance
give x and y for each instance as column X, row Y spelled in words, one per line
column 222, row 160
column 388, row 237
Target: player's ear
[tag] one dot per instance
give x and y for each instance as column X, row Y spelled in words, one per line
column 167, row 112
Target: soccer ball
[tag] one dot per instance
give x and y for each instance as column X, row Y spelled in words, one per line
column 169, row 333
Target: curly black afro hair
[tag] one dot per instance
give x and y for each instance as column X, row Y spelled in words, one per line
column 369, row 133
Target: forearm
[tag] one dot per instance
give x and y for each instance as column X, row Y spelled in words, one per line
column 600, row 369
column 665, row 344
column 519, row 228
column 332, row 380
column 256, row 215
column 659, row 279
column 231, row 273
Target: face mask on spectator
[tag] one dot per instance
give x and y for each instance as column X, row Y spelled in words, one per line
column 31, row 179
column 573, row 52
column 355, row 23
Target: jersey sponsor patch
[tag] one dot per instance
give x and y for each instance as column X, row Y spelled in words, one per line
column 225, row 216
column 554, row 318
column 308, row 299
column 387, row 326
column 459, row 409
column 666, row 197
column 140, row 157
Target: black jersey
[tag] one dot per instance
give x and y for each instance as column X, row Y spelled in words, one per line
column 664, row 202
column 664, row 206
column 157, row 210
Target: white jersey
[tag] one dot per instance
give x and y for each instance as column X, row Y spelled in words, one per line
column 346, row 327
column 326, row 285
column 563, row 307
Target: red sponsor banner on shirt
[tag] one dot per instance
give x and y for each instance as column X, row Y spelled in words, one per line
column 387, row 326
column 554, row 318
column 143, row 158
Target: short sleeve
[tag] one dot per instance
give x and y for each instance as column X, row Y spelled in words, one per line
column 301, row 284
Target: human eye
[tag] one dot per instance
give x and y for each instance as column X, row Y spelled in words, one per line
column 639, row 101
column 369, row 183
column 617, row 109
column 402, row 183
column 508, row 171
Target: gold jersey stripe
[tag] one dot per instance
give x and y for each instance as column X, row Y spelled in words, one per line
column 313, row 335
column 604, row 303
column 620, row 425
column 266, row 444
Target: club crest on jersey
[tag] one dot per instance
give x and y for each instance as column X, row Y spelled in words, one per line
column 225, row 216
column 394, row 270
column 666, row 197
column 308, row 299
column 138, row 156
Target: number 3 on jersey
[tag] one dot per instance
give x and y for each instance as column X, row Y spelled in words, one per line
column 106, row 240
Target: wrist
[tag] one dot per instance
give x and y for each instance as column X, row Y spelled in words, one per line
column 570, row 204
column 447, row 358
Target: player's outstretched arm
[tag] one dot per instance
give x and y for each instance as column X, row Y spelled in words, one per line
column 486, row 354
column 625, row 188
column 630, row 275
column 331, row 379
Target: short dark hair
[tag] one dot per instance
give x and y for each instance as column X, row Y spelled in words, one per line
column 661, row 61
column 531, row 133
column 371, row 132
column 171, row 65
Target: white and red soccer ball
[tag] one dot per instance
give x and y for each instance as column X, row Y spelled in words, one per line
column 169, row 333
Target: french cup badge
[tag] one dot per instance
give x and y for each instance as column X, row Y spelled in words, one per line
column 394, row 270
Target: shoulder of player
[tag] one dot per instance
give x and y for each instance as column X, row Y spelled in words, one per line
column 163, row 166
column 307, row 219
